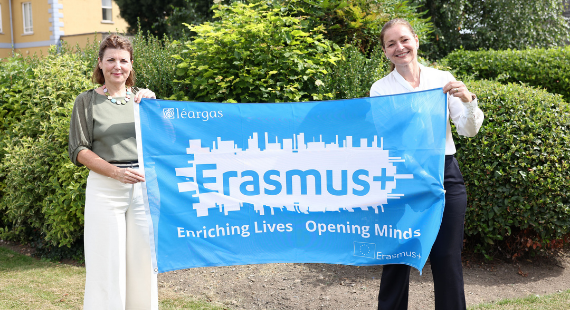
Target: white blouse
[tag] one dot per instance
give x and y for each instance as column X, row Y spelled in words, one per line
column 466, row 116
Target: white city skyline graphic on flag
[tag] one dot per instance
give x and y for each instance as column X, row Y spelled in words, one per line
column 334, row 165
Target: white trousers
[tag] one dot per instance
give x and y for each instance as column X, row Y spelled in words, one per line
column 117, row 250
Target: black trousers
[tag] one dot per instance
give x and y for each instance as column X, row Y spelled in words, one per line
column 445, row 255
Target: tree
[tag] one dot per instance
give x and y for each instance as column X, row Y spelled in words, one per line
column 498, row 24
column 163, row 17
column 194, row 13
column 357, row 22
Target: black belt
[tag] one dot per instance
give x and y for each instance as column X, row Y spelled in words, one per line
column 126, row 164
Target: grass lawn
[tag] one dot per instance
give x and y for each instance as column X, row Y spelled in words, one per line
column 28, row 283
column 560, row 301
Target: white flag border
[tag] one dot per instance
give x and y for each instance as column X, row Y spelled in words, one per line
column 150, row 225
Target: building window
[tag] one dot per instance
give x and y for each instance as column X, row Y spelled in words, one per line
column 107, row 10
column 0, row 18
column 27, row 12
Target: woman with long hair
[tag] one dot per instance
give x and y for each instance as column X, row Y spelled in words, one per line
column 400, row 45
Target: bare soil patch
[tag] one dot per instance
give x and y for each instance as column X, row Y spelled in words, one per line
column 18, row 248
column 324, row 286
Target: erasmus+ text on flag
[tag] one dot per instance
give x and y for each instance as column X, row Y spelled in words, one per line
column 355, row 182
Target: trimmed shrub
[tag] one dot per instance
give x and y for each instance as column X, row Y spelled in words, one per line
column 15, row 75
column 254, row 53
column 517, row 170
column 546, row 68
column 353, row 74
column 155, row 68
column 43, row 193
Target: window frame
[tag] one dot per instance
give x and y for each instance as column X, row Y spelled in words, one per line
column 109, row 11
column 27, row 29
column 1, row 30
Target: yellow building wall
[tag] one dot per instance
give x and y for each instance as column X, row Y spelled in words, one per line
column 40, row 21
column 86, row 16
column 5, row 38
column 79, row 21
column 79, row 28
column 5, row 15
column 82, row 40
column 5, row 33
column 30, row 51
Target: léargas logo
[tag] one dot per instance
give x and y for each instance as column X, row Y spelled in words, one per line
column 168, row 113
column 172, row 113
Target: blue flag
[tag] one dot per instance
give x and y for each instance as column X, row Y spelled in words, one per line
column 354, row 182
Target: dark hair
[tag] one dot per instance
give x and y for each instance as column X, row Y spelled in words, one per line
column 390, row 24
column 116, row 42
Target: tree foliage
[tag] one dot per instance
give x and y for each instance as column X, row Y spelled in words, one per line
column 357, row 22
column 500, row 24
column 163, row 17
column 256, row 53
column 194, row 12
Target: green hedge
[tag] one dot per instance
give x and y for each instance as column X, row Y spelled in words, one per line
column 42, row 197
column 155, row 68
column 545, row 68
column 517, row 169
column 15, row 76
column 352, row 75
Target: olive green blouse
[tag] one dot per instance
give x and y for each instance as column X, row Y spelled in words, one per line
column 103, row 127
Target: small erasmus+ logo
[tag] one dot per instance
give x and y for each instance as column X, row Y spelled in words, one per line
column 364, row 249
column 168, row 112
